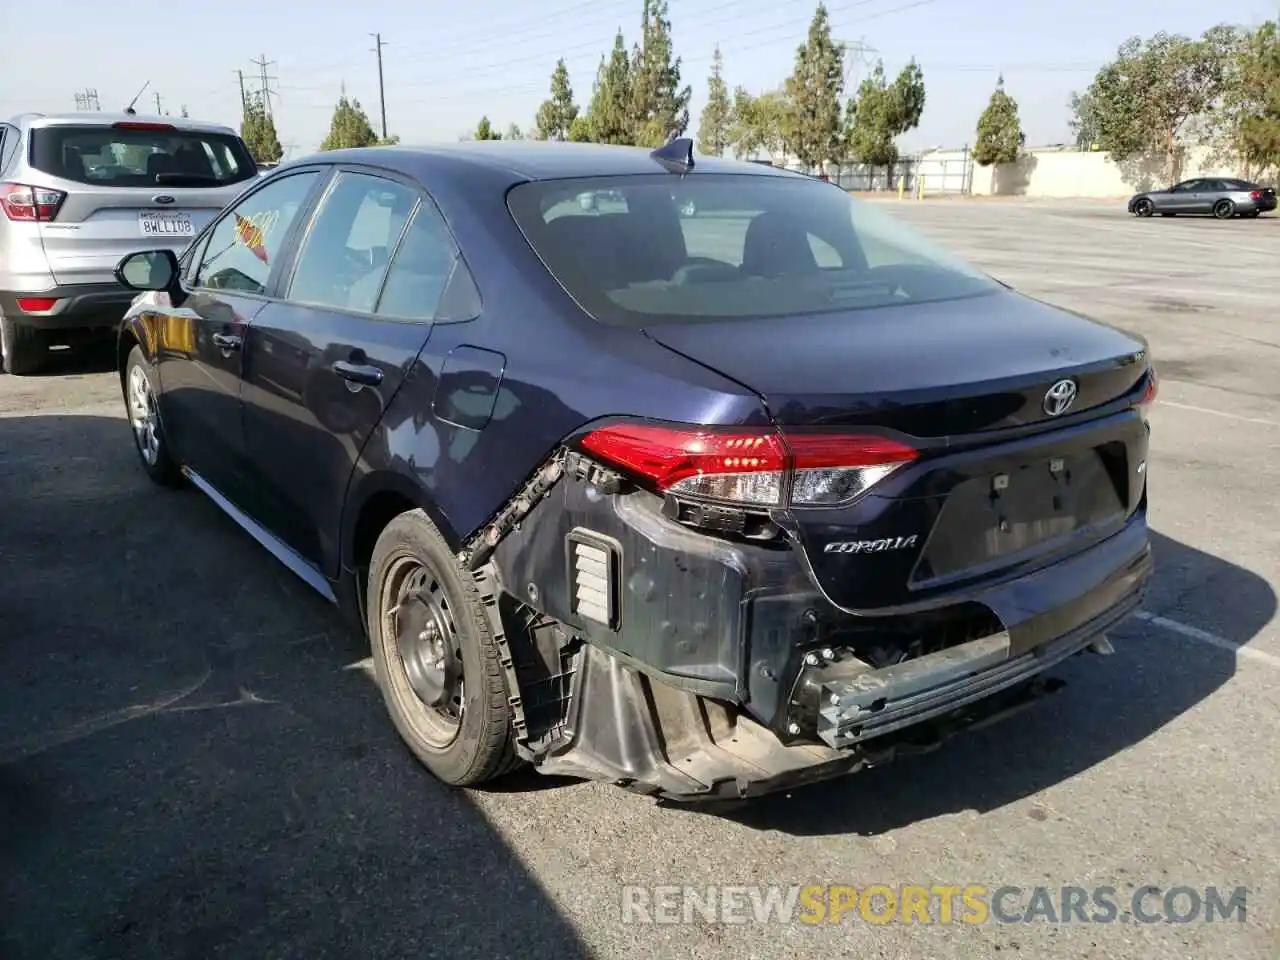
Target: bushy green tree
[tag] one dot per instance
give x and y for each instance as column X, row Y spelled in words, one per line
column 258, row 130
column 881, row 112
column 1142, row 101
column 717, row 115
column 349, row 127
column 1252, row 101
column 999, row 130
column 659, row 105
column 758, row 122
column 813, row 129
column 556, row 115
column 485, row 131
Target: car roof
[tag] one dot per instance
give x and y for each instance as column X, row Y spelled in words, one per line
column 533, row 159
column 101, row 119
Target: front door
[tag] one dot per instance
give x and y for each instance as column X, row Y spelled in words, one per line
column 200, row 345
column 324, row 364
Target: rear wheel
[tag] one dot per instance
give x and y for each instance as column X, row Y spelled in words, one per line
column 22, row 348
column 1143, row 208
column 1224, row 209
column 435, row 656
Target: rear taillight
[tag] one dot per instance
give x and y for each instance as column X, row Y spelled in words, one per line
column 752, row 467
column 142, row 125
column 21, row 202
column 1256, row 195
column 1147, row 398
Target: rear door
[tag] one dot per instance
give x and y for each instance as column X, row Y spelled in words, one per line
column 132, row 185
column 325, row 363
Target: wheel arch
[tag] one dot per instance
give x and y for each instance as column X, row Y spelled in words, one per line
column 133, row 333
column 373, row 502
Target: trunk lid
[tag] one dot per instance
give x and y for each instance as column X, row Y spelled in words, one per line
column 1001, row 485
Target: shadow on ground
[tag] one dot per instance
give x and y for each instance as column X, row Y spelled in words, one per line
column 186, row 768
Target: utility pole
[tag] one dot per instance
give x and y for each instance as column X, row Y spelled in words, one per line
column 87, row 100
column 244, row 99
column 262, row 63
column 379, row 43
column 159, row 112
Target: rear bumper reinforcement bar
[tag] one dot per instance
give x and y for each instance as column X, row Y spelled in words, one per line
column 864, row 702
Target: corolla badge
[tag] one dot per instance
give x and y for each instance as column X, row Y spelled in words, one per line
column 1059, row 398
column 163, row 198
column 871, row 546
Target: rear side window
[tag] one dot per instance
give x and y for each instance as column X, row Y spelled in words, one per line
column 647, row 249
column 130, row 157
column 345, row 254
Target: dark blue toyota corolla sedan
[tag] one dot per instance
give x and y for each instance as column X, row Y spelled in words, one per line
column 694, row 476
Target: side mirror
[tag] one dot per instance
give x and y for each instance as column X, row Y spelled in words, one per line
column 148, row 270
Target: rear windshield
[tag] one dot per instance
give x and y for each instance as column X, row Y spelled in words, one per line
column 114, row 157
column 647, row 249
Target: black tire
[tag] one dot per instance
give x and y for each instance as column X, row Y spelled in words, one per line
column 1224, row 209
column 149, row 440
column 1143, row 208
column 22, row 348
column 476, row 746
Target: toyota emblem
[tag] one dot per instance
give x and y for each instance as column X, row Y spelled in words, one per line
column 1059, row 398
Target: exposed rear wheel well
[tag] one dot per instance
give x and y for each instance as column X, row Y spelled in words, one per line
column 378, row 511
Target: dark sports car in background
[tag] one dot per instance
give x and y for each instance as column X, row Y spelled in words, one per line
column 694, row 476
column 1221, row 197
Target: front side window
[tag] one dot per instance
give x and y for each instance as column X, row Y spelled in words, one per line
column 645, row 249
column 345, row 255
column 245, row 244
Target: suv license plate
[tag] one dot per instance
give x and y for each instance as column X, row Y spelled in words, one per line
column 165, row 224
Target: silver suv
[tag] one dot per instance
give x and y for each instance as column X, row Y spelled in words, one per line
column 80, row 191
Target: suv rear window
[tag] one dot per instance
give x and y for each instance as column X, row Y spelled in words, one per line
column 646, row 249
column 122, row 157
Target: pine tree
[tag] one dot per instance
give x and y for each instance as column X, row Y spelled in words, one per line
column 999, row 130
column 882, row 111
column 556, row 115
column 717, row 115
column 660, row 107
column 814, row 89
column 610, row 117
column 485, row 131
column 349, row 127
column 258, row 130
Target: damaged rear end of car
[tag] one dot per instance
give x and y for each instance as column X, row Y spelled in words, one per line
column 942, row 497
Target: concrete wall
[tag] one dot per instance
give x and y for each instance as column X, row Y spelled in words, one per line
column 1058, row 173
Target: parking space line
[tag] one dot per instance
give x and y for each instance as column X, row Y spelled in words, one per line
column 1195, row 633
column 1217, row 413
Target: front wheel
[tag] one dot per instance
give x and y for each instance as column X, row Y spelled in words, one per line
column 1143, row 208
column 435, row 656
column 144, row 420
column 1224, row 209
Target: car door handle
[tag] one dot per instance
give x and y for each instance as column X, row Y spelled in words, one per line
column 226, row 341
column 362, row 373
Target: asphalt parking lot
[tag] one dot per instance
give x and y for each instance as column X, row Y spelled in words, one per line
column 190, row 767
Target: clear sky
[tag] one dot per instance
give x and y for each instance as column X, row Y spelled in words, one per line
column 446, row 65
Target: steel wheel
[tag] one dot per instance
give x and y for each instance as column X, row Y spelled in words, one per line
column 418, row 624
column 142, row 416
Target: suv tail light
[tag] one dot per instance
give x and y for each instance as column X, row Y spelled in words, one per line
column 31, row 204
column 750, row 466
